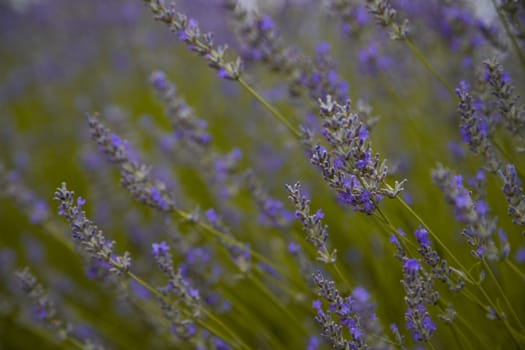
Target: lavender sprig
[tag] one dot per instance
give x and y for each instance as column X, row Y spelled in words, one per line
column 502, row 88
column 514, row 195
column 316, row 232
column 349, row 165
column 47, row 312
column 261, row 41
column 183, row 313
column 345, row 316
column 135, row 176
column 479, row 227
column 439, row 268
column 419, row 290
column 271, row 211
column 385, row 15
column 194, row 141
column 474, row 128
column 87, row 234
column 154, row 193
column 188, row 31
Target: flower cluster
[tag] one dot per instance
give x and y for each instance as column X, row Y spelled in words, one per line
column 271, row 211
column 260, row 40
column 87, row 234
column 342, row 309
column 47, row 313
column 474, row 129
column 218, row 261
column 316, row 232
column 188, row 31
column 502, row 89
column 439, row 268
column 385, row 15
column 190, row 140
column 513, row 194
column 182, row 313
column 35, row 208
column 479, row 227
column 136, row 178
column 349, row 166
column 353, row 15
column 419, row 290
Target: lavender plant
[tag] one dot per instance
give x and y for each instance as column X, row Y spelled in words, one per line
column 182, row 236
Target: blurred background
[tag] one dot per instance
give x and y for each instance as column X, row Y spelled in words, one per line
column 60, row 59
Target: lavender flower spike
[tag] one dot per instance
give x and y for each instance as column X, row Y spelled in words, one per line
column 186, row 311
column 348, row 318
column 189, row 32
column 87, row 234
column 349, row 165
column 502, row 88
column 385, row 16
column 474, row 129
column 316, row 232
column 48, row 313
column 513, row 194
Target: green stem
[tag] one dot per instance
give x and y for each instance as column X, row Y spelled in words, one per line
column 223, row 326
column 219, row 334
column 465, row 271
column 515, row 269
column 503, row 295
column 185, row 216
column 274, row 299
column 270, row 108
column 434, row 236
column 341, row 276
column 427, row 65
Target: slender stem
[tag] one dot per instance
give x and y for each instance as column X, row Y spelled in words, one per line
column 201, row 322
column 185, row 216
column 270, row 108
column 503, row 295
column 466, row 273
column 274, row 299
column 434, row 236
column 427, row 65
column 225, row 327
column 515, row 269
column 341, row 276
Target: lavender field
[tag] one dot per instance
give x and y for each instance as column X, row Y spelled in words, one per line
column 285, row 174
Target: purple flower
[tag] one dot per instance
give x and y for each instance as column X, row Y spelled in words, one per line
column 159, row 248
column 520, row 255
column 265, row 24
column 211, row 215
column 158, row 79
column 293, row 248
column 411, row 265
column 422, row 237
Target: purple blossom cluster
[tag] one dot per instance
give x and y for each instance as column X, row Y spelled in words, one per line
column 316, row 231
column 502, row 90
column 340, row 316
column 47, row 313
column 260, row 40
column 182, row 314
column 135, row 176
column 188, row 31
column 419, row 291
column 89, row 237
column 349, row 165
column 479, row 226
